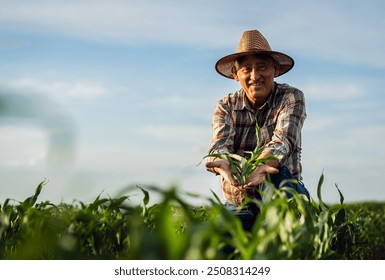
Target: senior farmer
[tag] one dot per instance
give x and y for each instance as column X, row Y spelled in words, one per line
column 279, row 111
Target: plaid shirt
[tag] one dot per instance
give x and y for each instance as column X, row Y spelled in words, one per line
column 280, row 119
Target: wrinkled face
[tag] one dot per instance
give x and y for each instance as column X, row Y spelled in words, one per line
column 256, row 75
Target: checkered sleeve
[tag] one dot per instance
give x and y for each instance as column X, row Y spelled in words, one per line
column 287, row 133
column 223, row 132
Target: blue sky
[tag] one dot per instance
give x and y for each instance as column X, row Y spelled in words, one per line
column 96, row 95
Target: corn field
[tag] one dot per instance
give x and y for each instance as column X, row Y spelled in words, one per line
column 113, row 229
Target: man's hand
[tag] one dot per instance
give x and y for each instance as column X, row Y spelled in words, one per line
column 258, row 175
column 222, row 167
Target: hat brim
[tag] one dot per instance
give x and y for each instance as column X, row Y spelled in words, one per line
column 225, row 64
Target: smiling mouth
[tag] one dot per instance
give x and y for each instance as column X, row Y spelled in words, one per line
column 256, row 84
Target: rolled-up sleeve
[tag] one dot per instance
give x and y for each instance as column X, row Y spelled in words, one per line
column 287, row 133
column 223, row 132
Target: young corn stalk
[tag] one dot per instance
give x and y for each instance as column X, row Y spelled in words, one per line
column 242, row 167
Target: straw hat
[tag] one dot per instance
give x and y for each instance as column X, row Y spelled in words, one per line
column 253, row 42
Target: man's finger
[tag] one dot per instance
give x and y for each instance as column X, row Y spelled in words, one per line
column 232, row 181
column 223, row 168
column 269, row 169
column 213, row 164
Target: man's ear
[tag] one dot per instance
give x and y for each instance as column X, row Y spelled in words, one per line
column 234, row 73
column 276, row 69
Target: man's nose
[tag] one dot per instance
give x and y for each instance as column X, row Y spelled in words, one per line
column 254, row 74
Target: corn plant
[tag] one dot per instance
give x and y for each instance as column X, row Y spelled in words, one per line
column 112, row 228
column 242, row 167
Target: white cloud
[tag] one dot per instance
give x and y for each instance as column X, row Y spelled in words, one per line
column 25, row 147
column 61, row 89
column 327, row 90
column 183, row 134
column 317, row 124
column 341, row 31
column 348, row 31
column 131, row 22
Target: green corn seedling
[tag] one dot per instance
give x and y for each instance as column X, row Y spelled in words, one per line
column 112, row 228
column 242, row 167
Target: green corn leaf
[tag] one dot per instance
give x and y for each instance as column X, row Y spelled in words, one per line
column 259, row 137
column 30, row 201
column 5, row 203
column 146, row 198
column 221, row 156
column 322, row 205
column 117, row 203
column 236, row 170
column 239, row 158
column 216, row 197
column 340, row 217
column 341, row 195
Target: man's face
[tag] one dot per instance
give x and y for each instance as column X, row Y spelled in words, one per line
column 256, row 76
